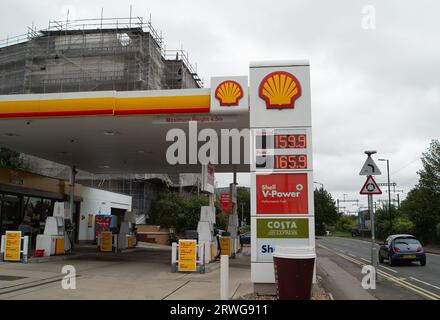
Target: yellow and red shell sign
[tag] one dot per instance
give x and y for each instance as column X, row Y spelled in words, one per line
column 279, row 90
column 229, row 93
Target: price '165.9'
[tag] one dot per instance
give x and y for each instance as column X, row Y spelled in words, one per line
column 294, row 161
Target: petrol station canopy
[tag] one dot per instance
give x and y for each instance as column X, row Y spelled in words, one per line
column 114, row 132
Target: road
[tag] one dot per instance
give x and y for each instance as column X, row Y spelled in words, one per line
column 424, row 281
column 143, row 273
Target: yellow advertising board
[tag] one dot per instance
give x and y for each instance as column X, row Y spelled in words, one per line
column 225, row 246
column 187, row 255
column 12, row 245
column 106, row 241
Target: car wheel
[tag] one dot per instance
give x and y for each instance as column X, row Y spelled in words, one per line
column 391, row 261
column 380, row 258
column 423, row 262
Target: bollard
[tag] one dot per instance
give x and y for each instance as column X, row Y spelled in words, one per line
column 224, row 277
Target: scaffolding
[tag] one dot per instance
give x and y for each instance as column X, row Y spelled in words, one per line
column 93, row 54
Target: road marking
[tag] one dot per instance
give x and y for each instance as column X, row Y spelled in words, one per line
column 350, row 254
column 401, row 281
column 392, row 270
column 366, row 260
column 427, row 283
column 432, row 254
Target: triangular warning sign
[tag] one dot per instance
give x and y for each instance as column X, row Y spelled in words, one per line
column 370, row 187
column 370, row 168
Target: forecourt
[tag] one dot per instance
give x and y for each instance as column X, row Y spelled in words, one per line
column 112, row 132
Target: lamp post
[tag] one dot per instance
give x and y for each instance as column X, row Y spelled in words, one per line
column 389, row 193
column 322, row 185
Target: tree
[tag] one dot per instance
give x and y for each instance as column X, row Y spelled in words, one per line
column 419, row 206
column 346, row 223
column 422, row 204
column 191, row 211
column 401, row 223
column 166, row 210
column 325, row 211
column 11, row 159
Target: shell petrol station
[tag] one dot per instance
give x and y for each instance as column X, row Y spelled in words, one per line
column 271, row 108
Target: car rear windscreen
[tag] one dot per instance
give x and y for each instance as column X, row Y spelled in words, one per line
column 406, row 241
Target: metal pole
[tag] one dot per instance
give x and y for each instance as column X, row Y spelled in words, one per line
column 373, row 245
column 389, row 196
column 71, row 202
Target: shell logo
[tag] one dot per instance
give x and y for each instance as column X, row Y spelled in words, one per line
column 280, row 89
column 229, row 93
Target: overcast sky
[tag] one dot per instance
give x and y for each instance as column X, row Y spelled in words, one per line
column 371, row 88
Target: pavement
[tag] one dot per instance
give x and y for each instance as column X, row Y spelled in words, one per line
column 143, row 273
column 340, row 261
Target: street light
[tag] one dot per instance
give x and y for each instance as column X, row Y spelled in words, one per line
column 389, row 193
column 322, row 185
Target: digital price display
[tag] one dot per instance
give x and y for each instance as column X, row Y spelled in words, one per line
column 281, row 149
column 293, row 161
column 290, row 141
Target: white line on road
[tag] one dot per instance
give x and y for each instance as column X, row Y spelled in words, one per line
column 392, row 270
column 365, row 260
column 428, row 284
column 432, row 254
column 350, row 254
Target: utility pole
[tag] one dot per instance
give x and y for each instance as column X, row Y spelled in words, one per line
column 389, row 194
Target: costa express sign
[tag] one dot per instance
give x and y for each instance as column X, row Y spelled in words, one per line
column 282, row 228
column 282, row 193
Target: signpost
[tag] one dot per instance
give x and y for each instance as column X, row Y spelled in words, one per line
column 370, row 188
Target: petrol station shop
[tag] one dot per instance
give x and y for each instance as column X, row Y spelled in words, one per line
column 27, row 200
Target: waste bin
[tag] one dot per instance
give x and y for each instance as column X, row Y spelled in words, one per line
column 294, row 272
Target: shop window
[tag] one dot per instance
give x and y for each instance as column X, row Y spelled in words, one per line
column 10, row 213
column 32, row 213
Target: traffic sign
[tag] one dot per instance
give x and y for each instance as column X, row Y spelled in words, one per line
column 370, row 187
column 369, row 168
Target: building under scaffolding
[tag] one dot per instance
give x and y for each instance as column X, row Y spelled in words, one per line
column 120, row 54
column 90, row 55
